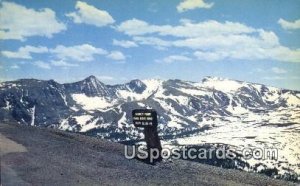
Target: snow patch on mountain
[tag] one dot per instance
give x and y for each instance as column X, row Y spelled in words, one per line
column 122, row 121
column 152, row 85
column 82, row 120
column 64, row 125
column 91, row 125
column 194, row 92
column 221, row 84
column 292, row 100
column 92, row 103
column 32, row 115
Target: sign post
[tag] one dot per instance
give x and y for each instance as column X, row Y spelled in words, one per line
column 147, row 119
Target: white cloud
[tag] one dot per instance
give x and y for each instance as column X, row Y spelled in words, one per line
column 136, row 27
column 187, row 29
column 124, row 43
column 61, row 63
column 287, row 25
column 18, row 22
column 278, row 70
column 209, row 56
column 174, row 58
column 60, row 54
column 89, row 14
column 15, row 67
column 42, row 64
column 212, row 40
column 84, row 52
column 154, row 41
column 117, row 55
column 25, row 52
column 192, row 4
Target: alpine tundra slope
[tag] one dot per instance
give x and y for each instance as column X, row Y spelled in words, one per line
column 40, row 156
column 213, row 111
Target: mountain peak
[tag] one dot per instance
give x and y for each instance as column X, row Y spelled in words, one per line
column 91, row 78
column 93, row 81
column 90, row 86
column 213, row 78
column 137, row 85
column 136, row 82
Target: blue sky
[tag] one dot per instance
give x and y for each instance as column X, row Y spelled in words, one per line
column 117, row 40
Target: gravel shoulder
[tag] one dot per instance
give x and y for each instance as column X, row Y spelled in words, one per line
column 39, row 156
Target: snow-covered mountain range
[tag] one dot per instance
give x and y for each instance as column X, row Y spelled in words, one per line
column 216, row 111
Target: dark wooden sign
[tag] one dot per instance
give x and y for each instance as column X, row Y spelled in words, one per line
column 144, row 118
column 147, row 118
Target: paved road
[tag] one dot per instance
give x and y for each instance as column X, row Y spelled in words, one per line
column 34, row 156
